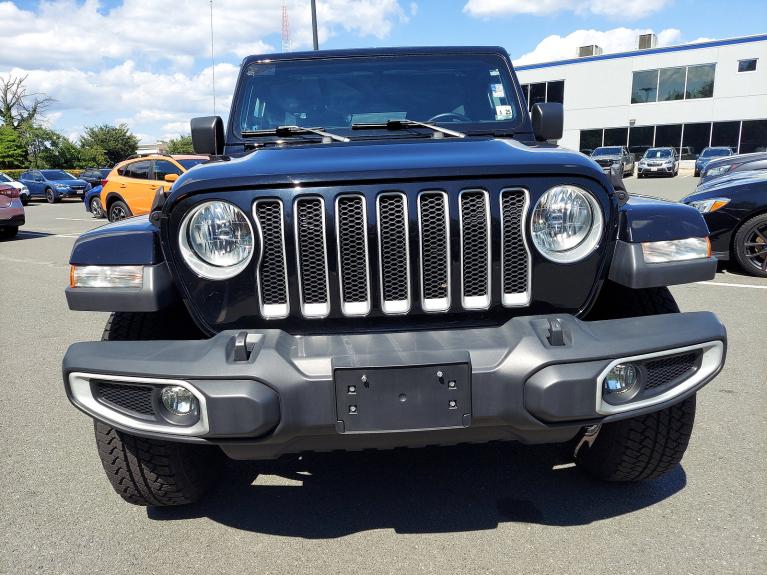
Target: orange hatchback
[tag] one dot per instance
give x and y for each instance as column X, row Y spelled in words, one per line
column 131, row 186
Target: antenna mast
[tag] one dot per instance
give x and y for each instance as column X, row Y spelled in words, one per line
column 286, row 47
column 212, row 58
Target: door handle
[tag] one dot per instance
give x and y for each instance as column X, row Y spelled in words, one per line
column 123, row 186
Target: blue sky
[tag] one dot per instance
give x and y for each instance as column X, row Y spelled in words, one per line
column 147, row 62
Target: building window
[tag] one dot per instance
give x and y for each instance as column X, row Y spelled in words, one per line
column 753, row 137
column 537, row 94
column 669, row 84
column 725, row 134
column 544, row 92
column 668, row 136
column 747, row 65
column 700, row 81
column 555, row 91
column 641, row 139
column 616, row 136
column 526, row 92
column 694, row 139
column 645, row 87
column 590, row 140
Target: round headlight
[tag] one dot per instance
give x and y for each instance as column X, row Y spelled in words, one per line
column 216, row 240
column 566, row 224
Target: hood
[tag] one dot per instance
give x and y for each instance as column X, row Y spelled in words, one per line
column 386, row 160
column 70, row 182
column 730, row 181
column 606, row 157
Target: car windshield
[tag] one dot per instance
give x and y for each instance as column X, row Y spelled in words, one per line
column 56, row 175
column 105, row 172
column 191, row 163
column 335, row 93
column 657, row 153
column 609, row 151
column 714, row 152
column 4, row 178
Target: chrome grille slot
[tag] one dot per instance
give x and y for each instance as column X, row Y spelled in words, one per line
column 272, row 277
column 434, row 226
column 311, row 250
column 475, row 249
column 393, row 253
column 515, row 255
column 353, row 265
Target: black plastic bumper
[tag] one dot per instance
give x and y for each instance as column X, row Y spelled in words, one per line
column 284, row 396
column 13, row 221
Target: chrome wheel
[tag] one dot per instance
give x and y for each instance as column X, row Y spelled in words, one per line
column 50, row 196
column 96, row 209
column 117, row 213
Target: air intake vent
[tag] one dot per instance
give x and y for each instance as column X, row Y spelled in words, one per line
column 272, row 271
column 136, row 399
column 434, row 223
column 353, row 265
column 312, row 256
column 515, row 256
column 475, row 249
column 591, row 50
column 664, row 371
column 647, row 41
column 394, row 253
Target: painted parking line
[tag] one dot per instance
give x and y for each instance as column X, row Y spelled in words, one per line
column 76, row 219
column 726, row 284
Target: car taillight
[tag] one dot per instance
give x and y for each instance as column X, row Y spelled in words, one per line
column 9, row 192
column 104, row 182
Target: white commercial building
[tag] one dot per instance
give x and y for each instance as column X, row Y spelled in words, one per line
column 689, row 96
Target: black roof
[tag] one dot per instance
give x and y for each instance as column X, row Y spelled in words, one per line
column 392, row 51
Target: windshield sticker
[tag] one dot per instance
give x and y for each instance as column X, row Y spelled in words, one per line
column 497, row 90
column 503, row 112
column 495, row 72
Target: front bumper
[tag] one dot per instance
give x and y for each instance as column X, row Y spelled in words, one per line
column 284, row 395
column 655, row 170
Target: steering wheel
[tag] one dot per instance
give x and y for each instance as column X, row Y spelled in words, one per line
column 460, row 117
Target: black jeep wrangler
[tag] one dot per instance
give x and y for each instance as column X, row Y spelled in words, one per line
column 386, row 250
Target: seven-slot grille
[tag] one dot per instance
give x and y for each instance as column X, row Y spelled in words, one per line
column 374, row 269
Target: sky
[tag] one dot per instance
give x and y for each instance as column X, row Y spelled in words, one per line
column 148, row 62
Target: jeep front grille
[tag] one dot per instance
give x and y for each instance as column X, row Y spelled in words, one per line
column 355, row 254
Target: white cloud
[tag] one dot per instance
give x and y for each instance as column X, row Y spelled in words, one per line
column 621, row 9
column 557, row 47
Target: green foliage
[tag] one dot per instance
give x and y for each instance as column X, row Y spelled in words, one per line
column 116, row 142
column 12, row 151
column 180, row 145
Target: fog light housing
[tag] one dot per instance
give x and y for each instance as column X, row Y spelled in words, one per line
column 179, row 400
column 621, row 383
column 106, row 276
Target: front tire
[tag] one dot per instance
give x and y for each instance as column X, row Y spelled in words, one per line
column 50, row 196
column 647, row 446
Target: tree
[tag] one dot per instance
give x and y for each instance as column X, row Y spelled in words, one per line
column 19, row 108
column 49, row 149
column 12, row 151
column 180, row 145
column 117, row 142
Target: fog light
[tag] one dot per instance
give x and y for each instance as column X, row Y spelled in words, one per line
column 620, row 382
column 106, row 276
column 178, row 400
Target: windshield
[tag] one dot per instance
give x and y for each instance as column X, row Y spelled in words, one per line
column 714, row 152
column 191, row 163
column 335, row 93
column 4, row 178
column 105, row 172
column 56, row 175
column 611, row 151
column 657, row 153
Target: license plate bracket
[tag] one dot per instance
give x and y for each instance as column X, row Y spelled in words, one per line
column 408, row 398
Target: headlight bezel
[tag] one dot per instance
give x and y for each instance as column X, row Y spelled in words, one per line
column 195, row 262
column 586, row 246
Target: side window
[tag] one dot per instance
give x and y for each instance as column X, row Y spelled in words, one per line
column 38, row 177
column 121, row 171
column 163, row 167
column 138, row 170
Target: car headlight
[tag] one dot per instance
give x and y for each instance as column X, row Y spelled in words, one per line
column 719, row 170
column 62, row 186
column 710, row 205
column 24, row 190
column 216, row 240
column 567, row 224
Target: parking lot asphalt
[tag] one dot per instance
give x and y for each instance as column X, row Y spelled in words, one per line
column 501, row 508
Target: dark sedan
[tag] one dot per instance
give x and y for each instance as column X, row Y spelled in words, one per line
column 94, row 176
column 735, row 209
column 710, row 154
column 738, row 163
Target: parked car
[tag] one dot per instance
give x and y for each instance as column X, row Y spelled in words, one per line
column 709, row 154
column 11, row 211
column 737, row 163
column 94, row 176
column 53, row 185
column 608, row 156
column 735, row 210
column 407, row 275
column 658, row 162
column 132, row 185
column 23, row 190
column 92, row 201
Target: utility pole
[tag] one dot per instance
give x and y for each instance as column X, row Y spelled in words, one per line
column 314, row 25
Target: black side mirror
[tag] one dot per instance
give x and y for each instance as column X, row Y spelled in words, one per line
column 208, row 135
column 548, row 121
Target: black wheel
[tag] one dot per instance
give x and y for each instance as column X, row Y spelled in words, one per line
column 8, row 232
column 642, row 447
column 119, row 211
column 750, row 246
column 149, row 471
column 50, row 196
column 24, row 200
column 640, row 175
column 96, row 210
column 696, row 173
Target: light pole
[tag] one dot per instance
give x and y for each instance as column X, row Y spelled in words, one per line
column 314, row 25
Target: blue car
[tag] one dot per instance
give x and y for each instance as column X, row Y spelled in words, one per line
column 709, row 154
column 53, row 185
column 92, row 201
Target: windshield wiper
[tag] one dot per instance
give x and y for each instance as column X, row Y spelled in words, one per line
column 440, row 132
column 295, row 131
